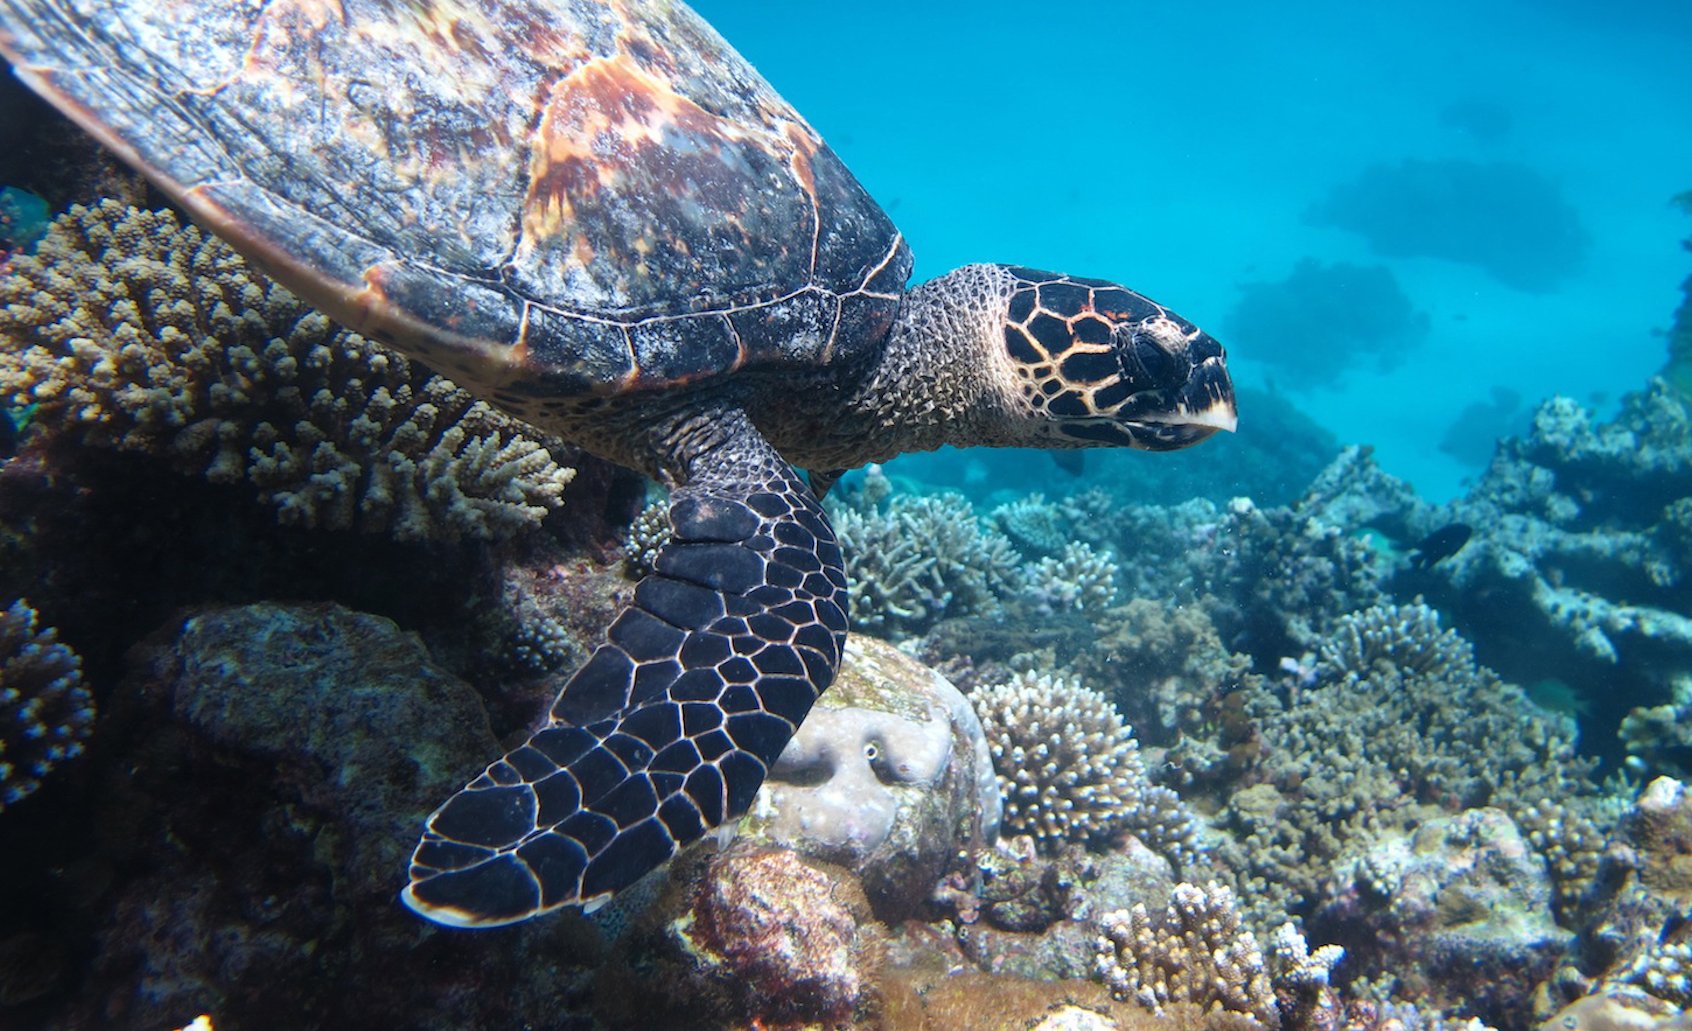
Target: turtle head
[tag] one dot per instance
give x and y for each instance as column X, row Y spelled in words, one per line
column 1091, row 363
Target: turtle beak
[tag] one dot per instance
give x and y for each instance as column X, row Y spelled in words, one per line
column 1207, row 401
column 1182, row 415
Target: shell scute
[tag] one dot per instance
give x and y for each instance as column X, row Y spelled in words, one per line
column 488, row 184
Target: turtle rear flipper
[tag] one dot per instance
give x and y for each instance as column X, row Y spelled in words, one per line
column 670, row 727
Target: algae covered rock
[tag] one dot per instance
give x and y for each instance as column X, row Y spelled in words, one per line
column 347, row 709
column 1459, row 910
column 752, row 936
column 889, row 776
column 271, row 763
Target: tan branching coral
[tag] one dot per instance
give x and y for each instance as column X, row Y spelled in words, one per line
column 45, row 712
column 922, row 558
column 129, row 330
column 1195, row 951
column 1069, row 768
column 1399, row 639
column 1402, row 723
column 1081, row 579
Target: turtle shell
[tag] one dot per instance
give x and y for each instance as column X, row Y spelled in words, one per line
column 540, row 198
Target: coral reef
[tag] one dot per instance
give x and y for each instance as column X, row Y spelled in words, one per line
column 1580, row 542
column 889, row 776
column 1457, row 913
column 1375, row 744
column 1081, row 580
column 1502, row 217
column 1636, row 944
column 1164, row 666
column 922, row 558
column 1195, row 951
column 1324, row 319
column 129, row 330
column 237, row 845
column 1069, row 768
column 45, row 712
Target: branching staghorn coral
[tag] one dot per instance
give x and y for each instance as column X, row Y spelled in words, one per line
column 45, row 712
column 1398, row 639
column 1069, row 768
column 129, row 330
column 922, row 559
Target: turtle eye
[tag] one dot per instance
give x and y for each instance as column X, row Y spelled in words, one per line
column 1148, row 363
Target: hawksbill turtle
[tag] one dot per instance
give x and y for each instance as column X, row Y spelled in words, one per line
column 596, row 215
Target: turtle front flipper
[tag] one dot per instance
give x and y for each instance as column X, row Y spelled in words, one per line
column 670, row 727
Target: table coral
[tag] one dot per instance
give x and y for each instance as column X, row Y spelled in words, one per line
column 129, row 330
column 1069, row 768
column 45, row 712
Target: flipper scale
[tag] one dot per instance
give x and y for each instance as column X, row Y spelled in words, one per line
column 671, row 725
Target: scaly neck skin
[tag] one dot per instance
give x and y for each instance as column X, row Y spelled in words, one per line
column 942, row 378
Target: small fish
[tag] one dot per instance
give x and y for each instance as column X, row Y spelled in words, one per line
column 1441, row 544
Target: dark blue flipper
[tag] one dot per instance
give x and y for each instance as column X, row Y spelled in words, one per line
column 670, row 727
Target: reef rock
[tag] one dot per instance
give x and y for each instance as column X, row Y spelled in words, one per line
column 270, row 766
column 753, row 936
column 1459, row 910
column 889, row 776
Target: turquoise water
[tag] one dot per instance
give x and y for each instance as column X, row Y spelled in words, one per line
column 264, row 605
column 1178, row 148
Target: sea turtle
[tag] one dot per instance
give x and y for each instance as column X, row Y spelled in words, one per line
column 596, row 215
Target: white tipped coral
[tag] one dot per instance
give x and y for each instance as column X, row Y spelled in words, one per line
column 922, row 559
column 45, row 712
column 1196, row 951
column 1081, row 579
column 1403, row 639
column 1069, row 768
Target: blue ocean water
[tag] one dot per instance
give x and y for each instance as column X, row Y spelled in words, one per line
column 1187, row 149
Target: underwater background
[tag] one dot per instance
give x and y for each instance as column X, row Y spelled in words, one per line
column 1413, row 221
column 1375, row 714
